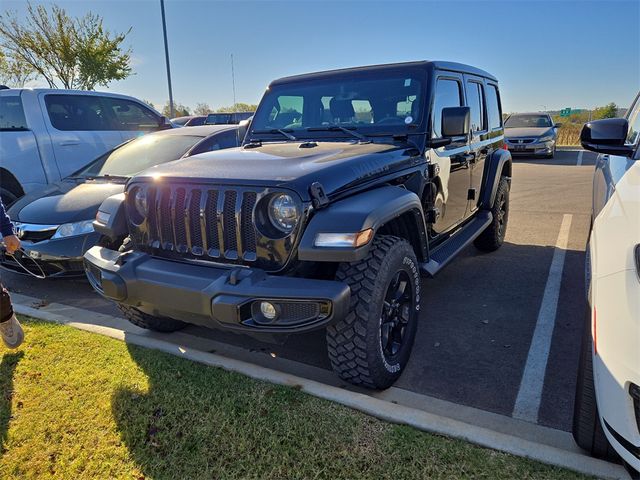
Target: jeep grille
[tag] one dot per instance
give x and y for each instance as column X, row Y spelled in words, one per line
column 200, row 221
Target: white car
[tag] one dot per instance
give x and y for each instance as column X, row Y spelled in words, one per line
column 607, row 408
column 48, row 134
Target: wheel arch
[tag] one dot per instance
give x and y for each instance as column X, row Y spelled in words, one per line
column 10, row 182
column 499, row 164
column 388, row 209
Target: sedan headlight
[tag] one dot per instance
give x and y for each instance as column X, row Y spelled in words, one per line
column 546, row 138
column 73, row 229
column 283, row 212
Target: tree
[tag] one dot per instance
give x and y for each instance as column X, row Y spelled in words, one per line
column 202, row 109
column 238, row 107
column 150, row 103
column 178, row 109
column 77, row 53
column 608, row 111
column 14, row 72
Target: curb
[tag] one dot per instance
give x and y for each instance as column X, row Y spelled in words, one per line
column 375, row 407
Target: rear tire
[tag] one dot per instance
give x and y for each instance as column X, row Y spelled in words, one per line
column 587, row 429
column 149, row 322
column 492, row 237
column 372, row 344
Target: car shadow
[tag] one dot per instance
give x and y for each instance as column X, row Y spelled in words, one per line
column 7, row 368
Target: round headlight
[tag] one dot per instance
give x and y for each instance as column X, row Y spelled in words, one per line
column 283, row 212
column 140, row 202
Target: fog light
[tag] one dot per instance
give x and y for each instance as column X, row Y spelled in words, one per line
column 268, row 310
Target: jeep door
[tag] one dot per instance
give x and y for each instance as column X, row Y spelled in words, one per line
column 453, row 160
column 479, row 142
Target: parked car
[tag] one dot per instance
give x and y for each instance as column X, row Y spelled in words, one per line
column 227, row 118
column 46, row 135
column 189, row 120
column 55, row 223
column 349, row 185
column 606, row 419
column 531, row 134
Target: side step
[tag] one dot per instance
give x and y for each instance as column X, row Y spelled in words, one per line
column 444, row 253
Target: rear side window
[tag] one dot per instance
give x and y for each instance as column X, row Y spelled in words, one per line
column 493, row 107
column 219, row 141
column 12, row 114
column 128, row 115
column 96, row 113
column 476, row 104
column 447, row 95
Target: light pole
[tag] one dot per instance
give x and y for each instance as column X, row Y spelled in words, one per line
column 166, row 54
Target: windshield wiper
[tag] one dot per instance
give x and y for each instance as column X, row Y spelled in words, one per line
column 338, row 128
column 282, row 132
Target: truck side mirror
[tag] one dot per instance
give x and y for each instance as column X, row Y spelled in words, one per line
column 164, row 124
column 606, row 136
column 243, row 127
column 456, row 121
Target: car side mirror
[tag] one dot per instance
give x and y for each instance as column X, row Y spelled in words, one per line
column 606, row 136
column 164, row 124
column 456, row 121
column 243, row 128
column 557, row 125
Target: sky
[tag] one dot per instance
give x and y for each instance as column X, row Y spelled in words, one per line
column 546, row 54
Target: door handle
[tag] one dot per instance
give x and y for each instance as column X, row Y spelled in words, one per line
column 68, row 143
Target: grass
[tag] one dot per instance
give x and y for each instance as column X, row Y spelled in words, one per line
column 76, row 405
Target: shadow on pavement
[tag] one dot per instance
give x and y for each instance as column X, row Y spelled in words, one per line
column 7, row 369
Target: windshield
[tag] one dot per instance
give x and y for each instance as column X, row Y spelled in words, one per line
column 218, row 119
column 140, row 154
column 523, row 121
column 377, row 102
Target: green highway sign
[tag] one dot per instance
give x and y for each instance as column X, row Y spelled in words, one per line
column 565, row 112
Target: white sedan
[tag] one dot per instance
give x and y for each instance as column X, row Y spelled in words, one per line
column 607, row 408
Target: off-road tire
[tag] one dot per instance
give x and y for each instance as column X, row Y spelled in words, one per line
column 492, row 237
column 587, row 429
column 354, row 343
column 149, row 322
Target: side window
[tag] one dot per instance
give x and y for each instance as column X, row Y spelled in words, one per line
column 77, row 113
column 12, row 114
column 633, row 137
column 447, row 95
column 493, row 107
column 475, row 100
column 288, row 114
column 228, row 139
column 130, row 115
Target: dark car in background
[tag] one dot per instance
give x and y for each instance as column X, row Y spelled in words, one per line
column 531, row 134
column 55, row 223
column 189, row 120
column 227, row 118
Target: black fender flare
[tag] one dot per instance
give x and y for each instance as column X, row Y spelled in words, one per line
column 498, row 162
column 111, row 220
column 368, row 210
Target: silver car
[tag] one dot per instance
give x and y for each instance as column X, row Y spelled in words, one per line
column 531, row 134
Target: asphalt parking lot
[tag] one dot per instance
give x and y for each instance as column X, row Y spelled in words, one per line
column 498, row 332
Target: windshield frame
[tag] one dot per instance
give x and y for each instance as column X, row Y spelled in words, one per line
column 317, row 132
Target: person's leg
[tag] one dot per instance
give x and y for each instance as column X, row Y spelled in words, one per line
column 10, row 328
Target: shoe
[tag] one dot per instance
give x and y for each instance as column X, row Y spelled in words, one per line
column 12, row 333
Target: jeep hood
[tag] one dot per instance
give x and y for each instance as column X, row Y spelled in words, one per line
column 527, row 131
column 336, row 165
column 63, row 202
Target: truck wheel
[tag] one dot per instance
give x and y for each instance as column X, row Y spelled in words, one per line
column 149, row 322
column 492, row 237
column 587, row 429
column 371, row 346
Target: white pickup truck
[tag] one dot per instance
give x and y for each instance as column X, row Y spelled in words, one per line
column 46, row 135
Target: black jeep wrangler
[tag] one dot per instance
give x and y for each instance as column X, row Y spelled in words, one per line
column 349, row 186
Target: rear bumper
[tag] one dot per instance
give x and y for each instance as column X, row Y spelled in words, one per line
column 215, row 296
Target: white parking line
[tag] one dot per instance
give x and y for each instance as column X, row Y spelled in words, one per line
column 530, row 393
column 579, row 162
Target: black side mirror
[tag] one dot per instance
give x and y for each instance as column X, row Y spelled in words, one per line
column 456, row 121
column 163, row 123
column 557, row 125
column 606, row 136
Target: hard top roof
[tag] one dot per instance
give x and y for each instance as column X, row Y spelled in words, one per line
column 424, row 64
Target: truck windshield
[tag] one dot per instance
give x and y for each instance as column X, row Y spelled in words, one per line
column 375, row 103
column 524, row 121
column 140, row 154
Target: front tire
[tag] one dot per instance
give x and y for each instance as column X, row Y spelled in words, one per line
column 587, row 429
column 492, row 237
column 372, row 344
column 149, row 322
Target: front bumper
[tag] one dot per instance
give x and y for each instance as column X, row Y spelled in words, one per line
column 215, row 296
column 57, row 257
column 531, row 149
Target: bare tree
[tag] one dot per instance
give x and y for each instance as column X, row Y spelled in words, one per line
column 202, row 109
